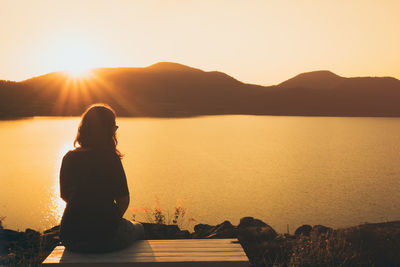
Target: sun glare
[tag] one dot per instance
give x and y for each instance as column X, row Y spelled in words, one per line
column 78, row 73
column 75, row 55
column 77, row 60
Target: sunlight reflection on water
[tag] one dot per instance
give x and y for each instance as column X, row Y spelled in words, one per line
column 57, row 204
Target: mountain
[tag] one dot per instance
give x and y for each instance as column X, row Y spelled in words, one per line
column 168, row 89
column 322, row 79
column 325, row 93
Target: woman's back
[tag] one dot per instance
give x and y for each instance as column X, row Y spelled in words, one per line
column 90, row 181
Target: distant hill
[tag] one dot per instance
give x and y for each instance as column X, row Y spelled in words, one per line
column 323, row 79
column 174, row 90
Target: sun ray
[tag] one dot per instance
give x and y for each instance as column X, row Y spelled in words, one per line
column 85, row 88
column 78, row 92
column 74, row 94
column 62, row 98
column 120, row 99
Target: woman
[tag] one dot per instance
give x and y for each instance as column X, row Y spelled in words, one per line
column 93, row 184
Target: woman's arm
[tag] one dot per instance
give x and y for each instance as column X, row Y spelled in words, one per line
column 65, row 178
column 122, row 204
column 121, row 193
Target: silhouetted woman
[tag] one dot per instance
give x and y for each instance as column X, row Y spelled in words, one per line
column 93, row 183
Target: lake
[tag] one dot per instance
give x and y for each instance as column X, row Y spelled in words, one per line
column 284, row 170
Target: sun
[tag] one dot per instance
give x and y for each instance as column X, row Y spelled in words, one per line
column 77, row 59
column 75, row 56
column 78, row 72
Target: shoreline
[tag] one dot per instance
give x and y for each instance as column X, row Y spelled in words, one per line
column 188, row 116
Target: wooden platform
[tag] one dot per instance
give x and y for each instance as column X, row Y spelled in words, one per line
column 179, row 252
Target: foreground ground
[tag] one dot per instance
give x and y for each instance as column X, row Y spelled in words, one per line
column 375, row 244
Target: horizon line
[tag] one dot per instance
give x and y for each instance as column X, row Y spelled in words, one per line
column 187, row 66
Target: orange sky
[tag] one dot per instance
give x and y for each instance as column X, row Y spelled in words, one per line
column 262, row 42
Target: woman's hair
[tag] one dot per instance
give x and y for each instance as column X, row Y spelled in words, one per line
column 97, row 129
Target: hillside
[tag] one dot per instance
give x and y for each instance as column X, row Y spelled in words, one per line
column 173, row 90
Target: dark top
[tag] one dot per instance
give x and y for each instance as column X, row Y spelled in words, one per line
column 90, row 181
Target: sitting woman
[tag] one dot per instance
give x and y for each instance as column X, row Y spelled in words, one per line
column 93, row 184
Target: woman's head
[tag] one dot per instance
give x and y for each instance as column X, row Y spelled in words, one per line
column 97, row 128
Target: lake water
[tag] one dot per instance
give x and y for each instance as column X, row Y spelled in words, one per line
column 284, row 170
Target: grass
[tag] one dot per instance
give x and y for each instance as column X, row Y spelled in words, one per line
column 159, row 216
column 362, row 245
column 331, row 249
column 28, row 248
column 27, row 251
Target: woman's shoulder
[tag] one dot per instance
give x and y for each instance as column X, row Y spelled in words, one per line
column 80, row 150
column 75, row 152
column 89, row 152
column 69, row 155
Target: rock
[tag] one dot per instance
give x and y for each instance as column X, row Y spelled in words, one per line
column 161, row 231
column 31, row 233
column 202, row 230
column 250, row 221
column 320, row 229
column 288, row 236
column 303, row 230
column 53, row 229
column 172, row 230
column 222, row 230
column 11, row 235
column 255, row 229
column 185, row 234
column 3, row 250
column 255, row 236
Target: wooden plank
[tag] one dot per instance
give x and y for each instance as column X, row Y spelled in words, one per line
column 196, row 252
column 194, row 243
column 156, row 254
column 149, row 255
column 182, row 250
column 171, row 248
column 208, row 240
column 142, row 246
column 174, row 258
column 156, row 264
column 188, row 245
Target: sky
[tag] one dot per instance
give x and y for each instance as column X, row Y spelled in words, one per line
column 260, row 42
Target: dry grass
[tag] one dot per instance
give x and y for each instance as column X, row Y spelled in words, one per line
column 160, row 216
column 362, row 245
